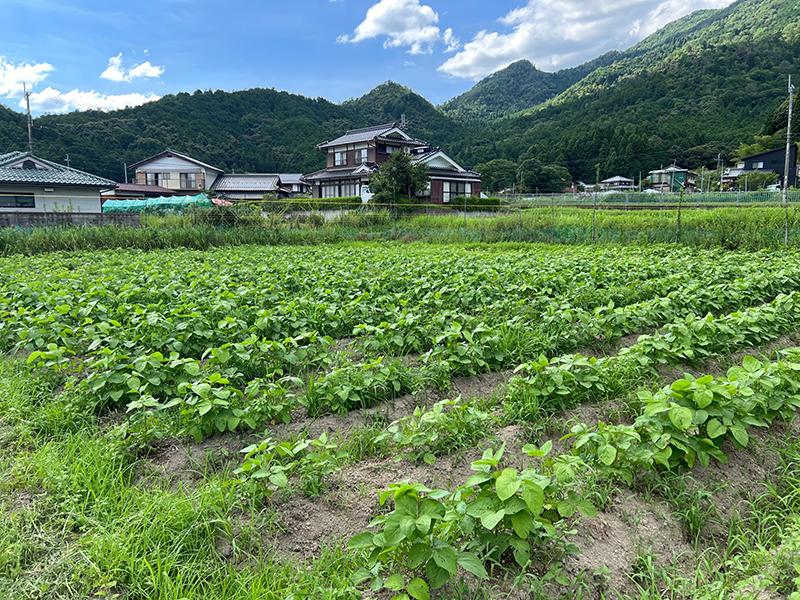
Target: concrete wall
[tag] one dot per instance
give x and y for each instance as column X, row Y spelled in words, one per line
column 61, row 199
column 42, row 219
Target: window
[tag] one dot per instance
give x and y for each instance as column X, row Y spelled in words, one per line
column 152, row 179
column 758, row 165
column 361, row 156
column 455, row 189
column 165, row 177
column 188, row 180
column 390, row 149
column 23, row 201
column 349, row 189
column 340, row 159
column 330, row 190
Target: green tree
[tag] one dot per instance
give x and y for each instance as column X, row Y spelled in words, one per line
column 533, row 176
column 497, row 174
column 755, row 180
column 399, row 178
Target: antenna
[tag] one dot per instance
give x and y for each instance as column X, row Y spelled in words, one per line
column 30, row 121
column 67, row 160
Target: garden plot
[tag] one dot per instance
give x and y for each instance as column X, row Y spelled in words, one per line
column 399, row 421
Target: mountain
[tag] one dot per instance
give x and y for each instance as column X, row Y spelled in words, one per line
column 697, row 88
column 257, row 130
column 517, row 87
column 702, row 86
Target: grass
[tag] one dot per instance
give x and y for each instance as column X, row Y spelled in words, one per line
column 731, row 228
column 78, row 523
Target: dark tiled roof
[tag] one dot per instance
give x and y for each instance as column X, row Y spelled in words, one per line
column 452, row 173
column 56, row 175
column 355, row 136
column 253, row 182
column 333, row 173
column 290, row 178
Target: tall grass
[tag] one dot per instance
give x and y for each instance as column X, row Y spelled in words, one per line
column 730, row 228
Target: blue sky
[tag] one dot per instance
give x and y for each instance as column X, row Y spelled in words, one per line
column 79, row 54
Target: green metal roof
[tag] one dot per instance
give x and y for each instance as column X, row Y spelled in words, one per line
column 56, row 175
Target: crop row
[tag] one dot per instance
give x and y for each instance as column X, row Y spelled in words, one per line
column 502, row 514
column 191, row 310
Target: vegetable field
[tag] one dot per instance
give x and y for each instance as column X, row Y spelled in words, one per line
column 400, row 421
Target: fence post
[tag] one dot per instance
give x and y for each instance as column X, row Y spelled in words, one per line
column 519, row 235
column 594, row 212
column 465, row 215
column 678, row 227
column 553, row 211
column 426, row 218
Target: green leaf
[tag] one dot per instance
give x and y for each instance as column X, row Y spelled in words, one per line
column 607, row 454
column 491, row 520
column 418, row 589
column 471, row 563
column 740, row 435
column 192, row 369
column 715, row 429
column 362, row 540
column 566, row 509
column 703, row 398
column 522, row 523
column 586, row 508
column 437, row 576
column 395, row 582
column 533, row 495
column 507, row 484
column 360, row 576
column 751, row 364
column 201, row 389
column 446, row 559
column 681, row 417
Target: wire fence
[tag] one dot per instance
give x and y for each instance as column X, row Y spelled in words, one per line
column 654, row 200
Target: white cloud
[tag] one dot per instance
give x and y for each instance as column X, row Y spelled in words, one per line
column 54, row 101
column 116, row 72
column 403, row 23
column 13, row 76
column 558, row 33
column 450, row 40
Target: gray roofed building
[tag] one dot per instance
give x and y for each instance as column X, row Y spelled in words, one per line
column 251, row 186
column 32, row 184
column 22, row 168
column 388, row 132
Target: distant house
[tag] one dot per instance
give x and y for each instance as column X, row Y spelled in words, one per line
column 772, row 161
column 249, row 186
column 128, row 191
column 617, row 184
column 354, row 157
column 31, row 184
column 671, row 179
column 294, row 183
column 179, row 173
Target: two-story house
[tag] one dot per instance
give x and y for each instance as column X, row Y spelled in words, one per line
column 671, row 179
column 354, row 157
column 772, row 161
column 175, row 171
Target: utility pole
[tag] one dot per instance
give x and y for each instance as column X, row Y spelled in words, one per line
column 30, row 121
column 786, row 161
column 66, row 160
column 719, row 170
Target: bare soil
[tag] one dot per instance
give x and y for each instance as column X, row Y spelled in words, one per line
column 633, row 524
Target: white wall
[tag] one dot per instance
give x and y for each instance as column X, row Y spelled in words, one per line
column 61, row 199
